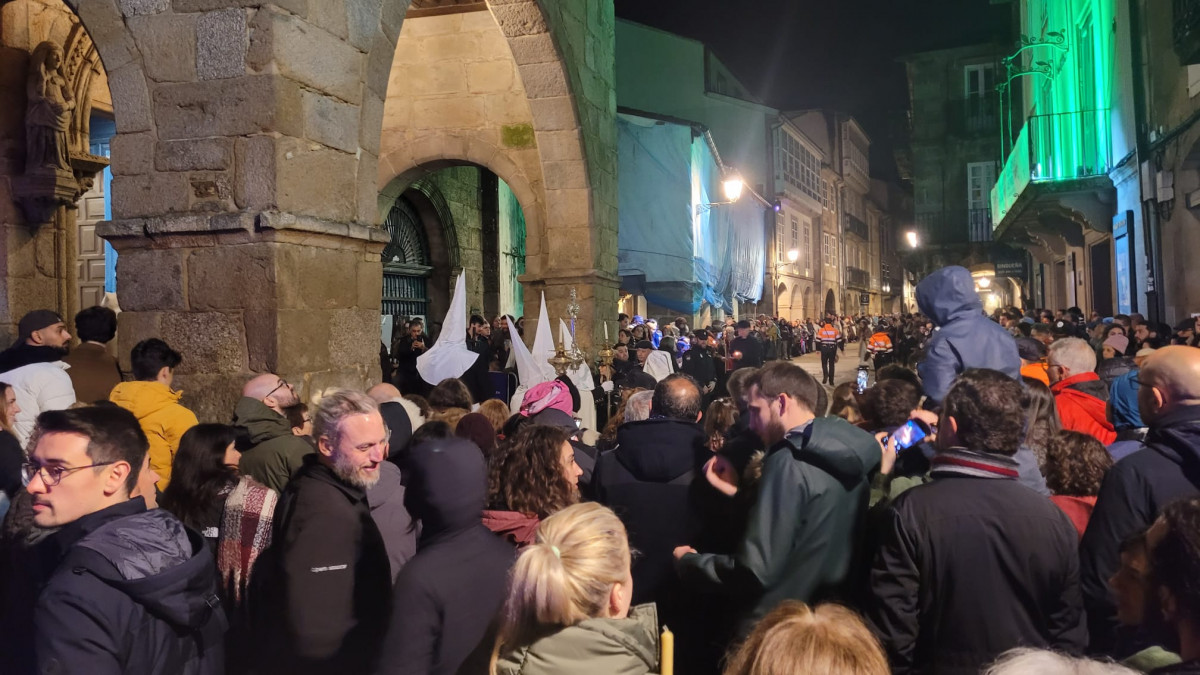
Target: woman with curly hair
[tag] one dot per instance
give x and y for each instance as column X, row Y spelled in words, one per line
column 1075, row 466
column 532, row 475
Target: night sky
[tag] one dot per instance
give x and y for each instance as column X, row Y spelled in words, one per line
column 840, row 54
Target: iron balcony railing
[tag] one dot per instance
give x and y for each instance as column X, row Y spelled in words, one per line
column 857, row 227
column 959, row 226
column 859, row 279
column 974, row 116
column 1055, row 147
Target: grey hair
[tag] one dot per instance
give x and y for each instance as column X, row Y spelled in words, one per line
column 637, row 408
column 1074, row 353
column 335, row 406
column 1026, row 661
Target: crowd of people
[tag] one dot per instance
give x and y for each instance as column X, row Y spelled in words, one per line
column 1017, row 493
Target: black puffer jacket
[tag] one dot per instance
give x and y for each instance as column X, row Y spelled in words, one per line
column 449, row 594
column 135, row 593
column 1134, row 490
column 323, row 588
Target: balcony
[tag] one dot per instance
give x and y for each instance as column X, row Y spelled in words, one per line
column 955, row 226
column 974, row 116
column 857, row 228
column 1071, row 151
column 858, row 279
column 1187, row 31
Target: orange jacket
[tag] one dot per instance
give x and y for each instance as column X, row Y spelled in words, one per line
column 881, row 343
column 1037, row 371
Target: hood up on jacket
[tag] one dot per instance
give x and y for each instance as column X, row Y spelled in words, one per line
column 661, row 450
column 260, row 422
column 446, row 486
column 1122, row 396
column 160, row 564
column 144, row 398
column 840, row 449
column 948, row 294
column 23, row 355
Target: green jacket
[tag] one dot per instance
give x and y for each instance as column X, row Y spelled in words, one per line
column 805, row 532
column 276, row 455
column 595, row 646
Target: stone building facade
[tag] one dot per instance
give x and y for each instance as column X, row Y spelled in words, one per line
column 246, row 175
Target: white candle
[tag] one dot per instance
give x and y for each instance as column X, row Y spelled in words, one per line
column 605, row 332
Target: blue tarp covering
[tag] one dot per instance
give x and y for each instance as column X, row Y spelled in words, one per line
column 675, row 257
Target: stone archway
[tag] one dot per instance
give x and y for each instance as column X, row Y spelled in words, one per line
column 830, row 302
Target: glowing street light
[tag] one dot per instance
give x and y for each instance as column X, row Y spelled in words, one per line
column 911, row 236
column 985, row 282
column 732, row 189
column 793, row 255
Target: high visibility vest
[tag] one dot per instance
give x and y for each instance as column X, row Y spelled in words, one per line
column 827, row 335
column 880, row 343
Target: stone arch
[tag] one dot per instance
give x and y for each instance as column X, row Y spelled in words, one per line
column 830, row 302
column 797, row 309
column 781, row 294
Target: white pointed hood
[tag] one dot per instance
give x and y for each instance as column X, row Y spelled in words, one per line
column 543, row 341
column 581, row 376
column 529, row 372
column 449, row 356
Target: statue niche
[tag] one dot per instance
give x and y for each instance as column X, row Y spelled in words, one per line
column 49, row 112
column 58, row 166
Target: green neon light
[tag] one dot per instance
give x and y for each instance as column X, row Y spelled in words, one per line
column 1068, row 130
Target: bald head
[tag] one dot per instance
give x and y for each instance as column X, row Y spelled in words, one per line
column 1173, row 373
column 272, row 390
column 383, row 392
column 677, row 397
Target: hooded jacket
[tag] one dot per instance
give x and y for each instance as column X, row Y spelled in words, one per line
column 804, row 534
column 448, row 595
column 275, row 454
column 136, row 592
column 322, row 593
column 1133, row 493
column 156, row 406
column 964, row 338
column 591, row 647
column 39, row 379
column 1082, row 401
column 647, row 481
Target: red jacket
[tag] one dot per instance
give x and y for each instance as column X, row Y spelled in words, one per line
column 1081, row 408
column 1078, row 509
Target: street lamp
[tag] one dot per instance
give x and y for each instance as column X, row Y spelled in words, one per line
column 985, row 282
column 732, row 188
column 911, row 236
column 793, row 255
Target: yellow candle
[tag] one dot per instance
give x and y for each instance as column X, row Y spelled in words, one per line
column 668, row 652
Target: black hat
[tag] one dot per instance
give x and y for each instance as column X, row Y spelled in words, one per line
column 701, row 334
column 743, row 324
column 1063, row 327
column 644, row 344
column 35, row 321
column 1030, row 349
column 1186, row 324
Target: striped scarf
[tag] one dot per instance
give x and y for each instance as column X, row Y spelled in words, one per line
column 245, row 533
column 964, row 462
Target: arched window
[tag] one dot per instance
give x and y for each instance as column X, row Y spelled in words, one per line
column 405, row 262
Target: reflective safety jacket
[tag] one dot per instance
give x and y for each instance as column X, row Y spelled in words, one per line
column 827, row 337
column 880, row 343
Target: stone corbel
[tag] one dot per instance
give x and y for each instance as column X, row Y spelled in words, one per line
column 40, row 194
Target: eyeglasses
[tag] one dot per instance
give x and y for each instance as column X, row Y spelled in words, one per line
column 282, row 384
column 52, row 474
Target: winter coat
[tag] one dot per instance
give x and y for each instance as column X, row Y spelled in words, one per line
column 964, row 338
column 1111, row 369
column 94, row 372
column 396, row 526
column 323, row 589
column 591, row 647
column 136, row 592
column 520, row 529
column 275, row 454
column 1013, row 550
column 449, row 594
column 1134, row 490
column 156, row 406
column 1082, row 406
column 11, row 459
column 751, row 349
column 647, row 481
column 39, row 379
column 803, row 535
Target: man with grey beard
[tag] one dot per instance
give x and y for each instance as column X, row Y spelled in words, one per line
column 326, row 597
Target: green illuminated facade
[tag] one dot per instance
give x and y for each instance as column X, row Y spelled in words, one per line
column 1066, row 68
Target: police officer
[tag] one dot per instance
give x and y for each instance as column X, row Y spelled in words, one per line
column 880, row 346
column 828, row 341
column 747, row 350
column 698, row 363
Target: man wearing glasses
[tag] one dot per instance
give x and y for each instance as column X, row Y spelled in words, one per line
column 131, row 591
column 328, row 586
column 271, row 453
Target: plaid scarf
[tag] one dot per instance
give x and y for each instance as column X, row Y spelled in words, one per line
column 964, row 462
column 245, row 533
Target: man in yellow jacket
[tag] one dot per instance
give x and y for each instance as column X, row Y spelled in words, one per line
column 156, row 406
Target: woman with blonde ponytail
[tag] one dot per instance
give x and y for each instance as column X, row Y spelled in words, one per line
column 567, row 609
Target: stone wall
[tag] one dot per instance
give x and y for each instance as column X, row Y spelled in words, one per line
column 460, row 187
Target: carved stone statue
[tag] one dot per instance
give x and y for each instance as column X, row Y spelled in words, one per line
column 48, row 115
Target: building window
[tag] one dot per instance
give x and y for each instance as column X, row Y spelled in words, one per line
column 806, row 249
column 981, row 176
column 978, row 80
column 801, row 167
column 829, row 250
